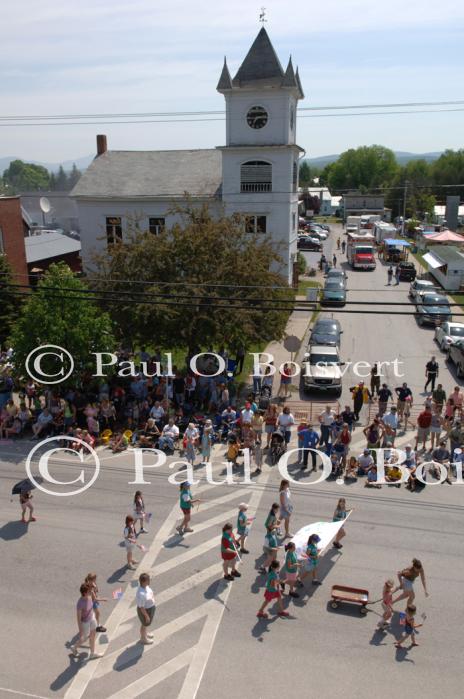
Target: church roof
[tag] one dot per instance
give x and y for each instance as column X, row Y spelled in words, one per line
column 225, row 81
column 261, row 64
column 161, row 174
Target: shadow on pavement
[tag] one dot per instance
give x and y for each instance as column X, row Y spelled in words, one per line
column 13, row 530
column 75, row 664
column 129, row 657
column 117, row 575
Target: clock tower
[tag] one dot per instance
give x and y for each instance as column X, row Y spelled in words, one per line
column 260, row 158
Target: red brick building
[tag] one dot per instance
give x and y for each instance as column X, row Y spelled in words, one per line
column 12, row 235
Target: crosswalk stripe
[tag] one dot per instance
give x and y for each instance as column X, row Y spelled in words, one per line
column 187, row 556
column 109, row 662
column 156, row 676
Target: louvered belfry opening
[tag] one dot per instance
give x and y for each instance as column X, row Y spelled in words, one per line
column 256, row 176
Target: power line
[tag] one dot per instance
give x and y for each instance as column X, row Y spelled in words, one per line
column 122, row 115
column 201, row 119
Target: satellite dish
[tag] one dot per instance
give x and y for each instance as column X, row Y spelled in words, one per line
column 45, row 205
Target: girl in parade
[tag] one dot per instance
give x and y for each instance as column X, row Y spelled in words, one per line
column 286, row 506
column 272, row 592
column 340, row 514
column 410, row 627
column 242, row 526
column 139, row 511
column 312, row 559
column 272, row 523
column 290, row 569
column 270, row 549
column 229, row 553
column 186, row 503
column 91, row 581
column 387, row 598
column 130, row 541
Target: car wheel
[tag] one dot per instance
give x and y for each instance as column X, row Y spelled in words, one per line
column 443, row 346
column 459, row 371
column 420, row 320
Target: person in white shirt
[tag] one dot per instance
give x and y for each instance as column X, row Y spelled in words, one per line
column 145, row 601
column 365, row 462
column 326, row 419
column 169, row 435
column 285, row 422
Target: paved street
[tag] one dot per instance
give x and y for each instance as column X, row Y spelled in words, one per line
column 206, row 633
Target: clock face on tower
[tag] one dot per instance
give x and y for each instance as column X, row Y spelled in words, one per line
column 257, row 117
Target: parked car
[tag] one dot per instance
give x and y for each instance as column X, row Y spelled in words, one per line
column 333, row 293
column 432, row 309
column 316, row 230
column 449, row 334
column 326, row 331
column 421, row 286
column 319, row 235
column 337, row 273
column 325, row 226
column 407, row 271
column 305, row 242
column 323, row 369
column 455, row 354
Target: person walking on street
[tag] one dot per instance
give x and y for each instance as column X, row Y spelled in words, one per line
column 439, row 397
column 384, row 394
column 389, row 275
column 229, row 553
column 242, row 526
column 424, row 422
column 343, row 246
column 402, row 393
column 338, row 243
column 145, row 601
column 186, row 503
column 130, row 541
column 86, row 623
column 286, row 506
column 290, row 570
column 139, row 511
column 272, row 592
column 312, row 559
column 91, row 581
column 406, row 578
column 409, row 627
column 386, row 605
column 375, row 380
column 25, row 498
column 340, row 514
column 334, row 260
column 397, row 275
column 361, row 396
column 431, row 373
column 310, row 440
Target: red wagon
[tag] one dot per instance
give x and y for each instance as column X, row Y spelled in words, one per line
column 352, row 595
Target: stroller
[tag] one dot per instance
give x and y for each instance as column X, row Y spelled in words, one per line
column 278, row 447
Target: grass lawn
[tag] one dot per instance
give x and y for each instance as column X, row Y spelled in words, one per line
column 304, row 284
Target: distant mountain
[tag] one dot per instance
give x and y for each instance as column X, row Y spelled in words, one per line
column 402, row 157
column 81, row 163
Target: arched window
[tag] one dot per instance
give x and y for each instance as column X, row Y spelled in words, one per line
column 256, row 176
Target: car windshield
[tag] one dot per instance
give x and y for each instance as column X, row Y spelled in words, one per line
column 423, row 285
column 323, row 358
column 363, row 250
column 456, row 331
column 326, row 328
column 334, row 285
column 434, row 300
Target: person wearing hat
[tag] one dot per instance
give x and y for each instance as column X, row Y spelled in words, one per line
column 186, row 504
column 242, row 526
column 206, row 441
column 312, row 559
column 361, row 396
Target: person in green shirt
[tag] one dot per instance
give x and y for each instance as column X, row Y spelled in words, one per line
column 272, row 592
column 312, row 559
column 290, row 569
column 186, row 502
column 242, row 526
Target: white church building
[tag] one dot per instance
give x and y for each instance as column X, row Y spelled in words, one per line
column 255, row 173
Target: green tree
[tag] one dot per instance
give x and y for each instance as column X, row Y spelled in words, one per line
column 24, row 177
column 8, row 300
column 449, row 169
column 206, row 252
column 73, row 176
column 415, row 178
column 61, row 312
column 362, row 168
column 61, row 180
column 305, row 178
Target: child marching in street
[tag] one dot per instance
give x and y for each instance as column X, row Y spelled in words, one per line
column 91, row 581
column 290, row 569
column 242, row 526
column 139, row 511
column 340, row 514
column 409, row 627
column 312, row 559
column 186, row 503
column 272, row 592
column 270, row 548
column 229, row 553
column 387, row 597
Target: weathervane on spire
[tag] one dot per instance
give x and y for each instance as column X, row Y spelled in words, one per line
column 262, row 16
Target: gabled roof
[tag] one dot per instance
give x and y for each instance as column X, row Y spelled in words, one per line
column 447, row 253
column 261, row 64
column 154, row 174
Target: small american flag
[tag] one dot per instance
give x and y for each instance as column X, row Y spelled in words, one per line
column 117, row 594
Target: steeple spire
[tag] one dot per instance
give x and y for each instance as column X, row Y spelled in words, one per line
column 261, row 64
column 225, row 81
column 289, row 77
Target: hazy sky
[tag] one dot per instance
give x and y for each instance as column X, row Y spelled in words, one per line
column 102, row 56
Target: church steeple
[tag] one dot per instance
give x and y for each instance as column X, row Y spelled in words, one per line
column 261, row 65
column 225, row 81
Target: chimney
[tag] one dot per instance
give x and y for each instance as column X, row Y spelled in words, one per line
column 102, row 146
